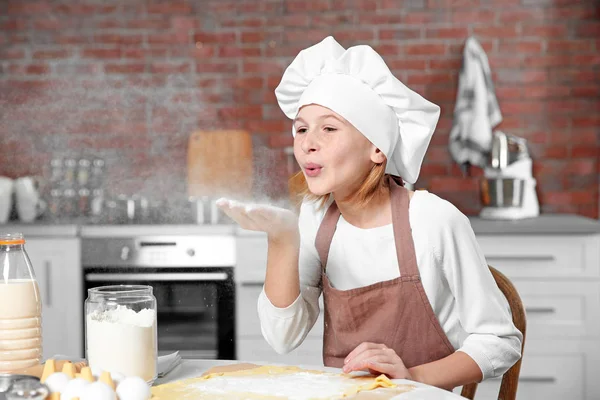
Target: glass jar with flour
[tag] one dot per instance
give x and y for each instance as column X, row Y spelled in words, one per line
column 120, row 330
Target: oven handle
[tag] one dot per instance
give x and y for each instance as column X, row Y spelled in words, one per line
column 178, row 277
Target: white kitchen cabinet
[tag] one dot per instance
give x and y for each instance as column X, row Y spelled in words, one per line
column 558, row 279
column 57, row 266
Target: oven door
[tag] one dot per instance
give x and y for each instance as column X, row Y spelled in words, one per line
column 196, row 306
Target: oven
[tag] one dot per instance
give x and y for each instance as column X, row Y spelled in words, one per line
column 192, row 279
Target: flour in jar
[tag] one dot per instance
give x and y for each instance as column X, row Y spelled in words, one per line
column 122, row 340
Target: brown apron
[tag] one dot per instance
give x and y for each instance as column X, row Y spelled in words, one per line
column 395, row 313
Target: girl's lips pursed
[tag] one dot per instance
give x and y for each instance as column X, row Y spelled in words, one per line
column 312, row 170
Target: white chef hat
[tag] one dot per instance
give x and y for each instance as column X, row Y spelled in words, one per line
column 357, row 84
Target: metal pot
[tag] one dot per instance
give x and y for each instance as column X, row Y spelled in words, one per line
column 14, row 387
column 502, row 192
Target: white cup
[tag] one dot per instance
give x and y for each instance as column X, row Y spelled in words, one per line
column 6, row 201
column 29, row 202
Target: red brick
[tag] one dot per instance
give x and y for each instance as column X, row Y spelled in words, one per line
column 148, row 23
column 246, row 112
column 237, row 22
column 124, row 68
column 296, row 20
column 453, row 4
column 540, row 31
column 170, row 68
column 365, row 19
column 50, row 54
column 118, row 39
column 421, row 49
column 12, row 54
column 585, row 151
column 569, row 45
column 233, row 51
column 13, row 24
column 169, row 38
column 266, row 67
column 430, row 169
column 248, row 83
column 504, row 61
column 518, row 107
column 508, row 93
column 170, row 7
column 401, row 33
column 588, row 29
column 252, row 37
column 270, row 127
column 388, row 50
column 49, row 24
column 354, row 35
column 545, row 92
column 101, row 53
column 303, row 6
column 28, row 8
column 497, row 31
column 519, row 47
column 305, row 35
column 586, row 91
column 481, row 16
column 66, row 38
column 140, row 52
column 447, row 33
column 525, row 15
column 216, row 66
column 215, row 37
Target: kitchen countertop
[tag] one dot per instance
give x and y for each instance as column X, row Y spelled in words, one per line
column 194, row 368
column 41, row 229
column 545, row 224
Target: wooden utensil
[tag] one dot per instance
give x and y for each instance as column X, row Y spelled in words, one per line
column 220, row 163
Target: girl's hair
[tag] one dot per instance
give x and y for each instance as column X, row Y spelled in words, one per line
column 375, row 182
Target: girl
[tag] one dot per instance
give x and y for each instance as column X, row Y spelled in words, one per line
column 406, row 289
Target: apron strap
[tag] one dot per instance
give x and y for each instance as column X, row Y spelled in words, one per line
column 405, row 247
column 325, row 233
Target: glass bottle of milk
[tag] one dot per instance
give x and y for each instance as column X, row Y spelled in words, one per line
column 20, row 307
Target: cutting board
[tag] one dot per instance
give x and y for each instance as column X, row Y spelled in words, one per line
column 220, row 163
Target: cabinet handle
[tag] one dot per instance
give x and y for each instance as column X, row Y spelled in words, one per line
column 253, row 284
column 538, row 379
column 520, row 258
column 48, row 266
column 540, row 310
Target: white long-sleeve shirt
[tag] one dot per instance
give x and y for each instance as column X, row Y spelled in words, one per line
column 470, row 307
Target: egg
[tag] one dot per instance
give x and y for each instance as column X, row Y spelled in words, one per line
column 133, row 388
column 75, row 388
column 56, row 382
column 117, row 377
column 98, row 391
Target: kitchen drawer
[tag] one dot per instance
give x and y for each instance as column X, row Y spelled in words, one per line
column 251, row 256
column 248, row 323
column 560, row 309
column 543, row 256
column 545, row 378
column 310, row 352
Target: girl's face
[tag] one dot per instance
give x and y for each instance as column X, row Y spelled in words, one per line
column 334, row 156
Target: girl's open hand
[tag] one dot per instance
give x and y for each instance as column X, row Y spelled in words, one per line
column 277, row 222
column 377, row 359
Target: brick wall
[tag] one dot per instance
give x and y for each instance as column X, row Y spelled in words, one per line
column 129, row 80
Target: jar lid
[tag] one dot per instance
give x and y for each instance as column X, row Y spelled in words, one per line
column 11, row 239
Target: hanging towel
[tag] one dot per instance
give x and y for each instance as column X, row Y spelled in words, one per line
column 476, row 111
